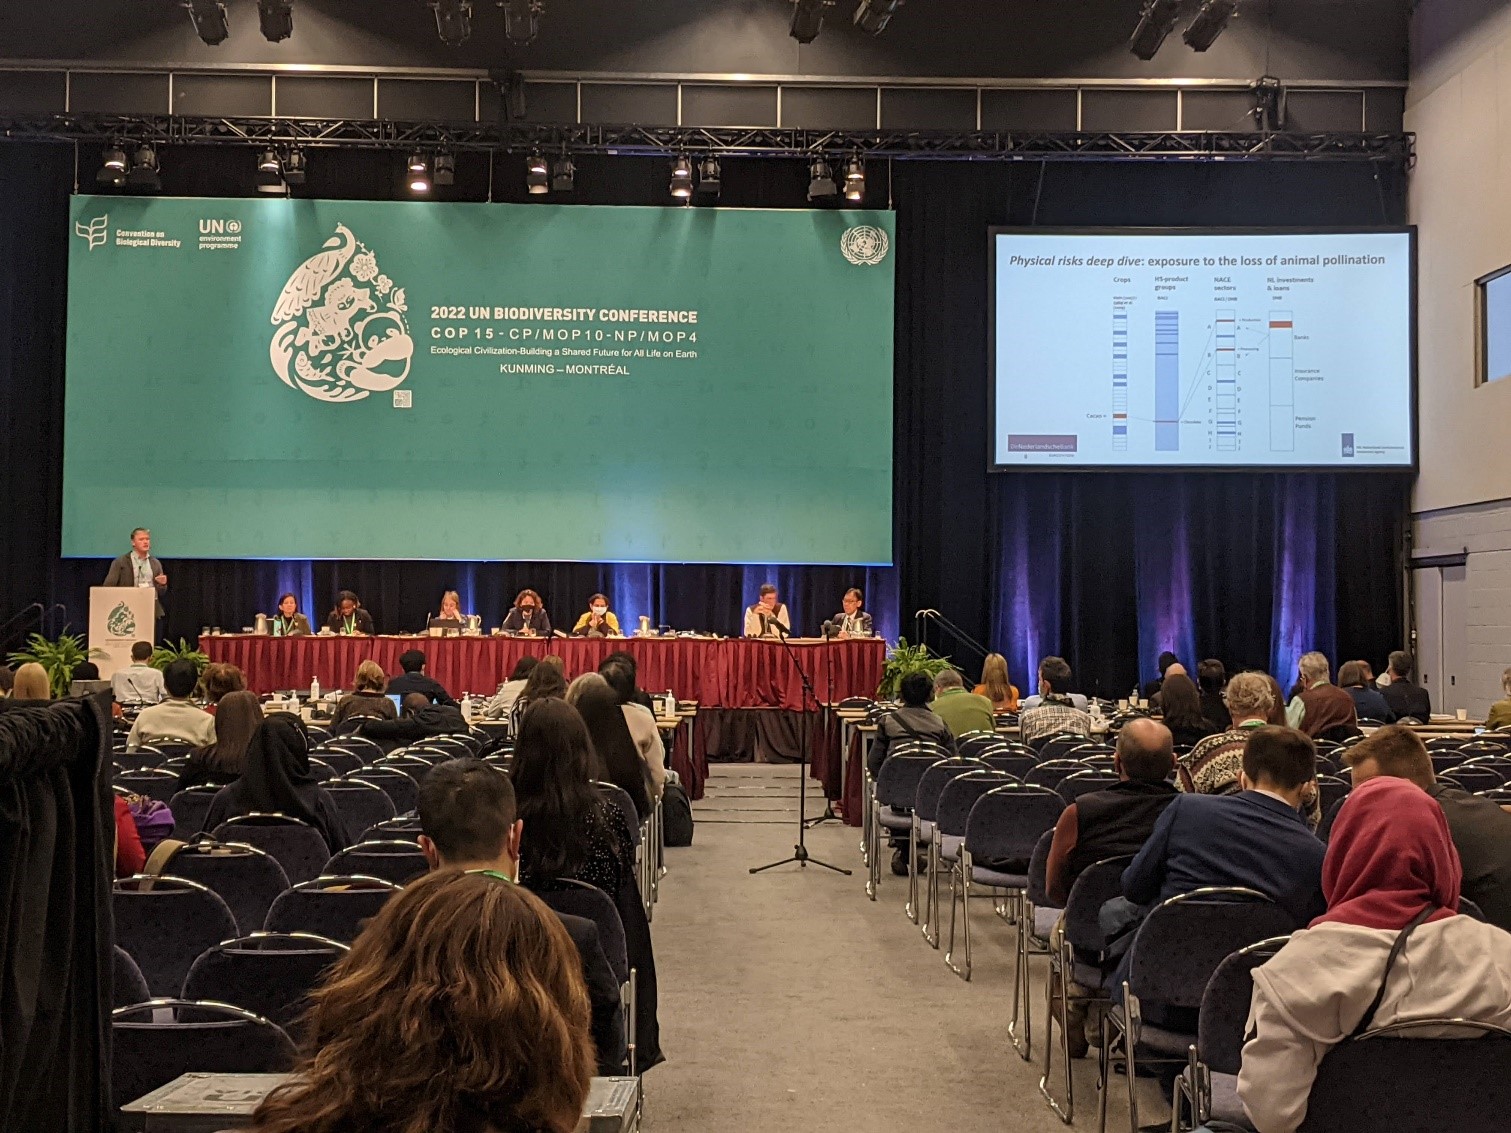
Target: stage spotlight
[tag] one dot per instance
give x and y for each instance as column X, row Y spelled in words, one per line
column 270, row 173
column 144, row 172
column 873, row 16
column 821, row 184
column 682, row 177
column 855, row 179
column 537, row 175
column 808, row 19
column 1155, row 22
column 563, row 175
column 293, row 167
column 419, row 174
column 445, row 169
column 522, row 21
column 112, row 165
column 453, row 20
column 1209, row 22
column 276, row 18
column 209, row 20
column 709, row 175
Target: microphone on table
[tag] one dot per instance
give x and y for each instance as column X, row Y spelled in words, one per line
column 829, row 629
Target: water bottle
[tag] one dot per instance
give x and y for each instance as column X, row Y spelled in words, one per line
column 314, row 691
column 467, row 707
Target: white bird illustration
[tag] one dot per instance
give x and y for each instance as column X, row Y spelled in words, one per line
column 310, row 278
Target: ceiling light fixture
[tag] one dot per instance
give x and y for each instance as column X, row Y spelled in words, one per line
column 808, row 19
column 144, row 170
column 563, row 175
column 1210, row 21
column 1155, row 22
column 453, row 21
column 682, row 178
column 209, row 20
column 873, row 16
column 522, row 21
column 537, row 175
column 419, row 174
column 276, row 17
column 855, row 179
column 445, row 169
column 709, row 176
column 821, row 184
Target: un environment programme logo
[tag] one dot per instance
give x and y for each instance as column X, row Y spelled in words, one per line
column 121, row 622
column 341, row 329
column 95, row 231
column 864, row 244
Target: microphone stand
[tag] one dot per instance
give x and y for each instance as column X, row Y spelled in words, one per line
column 800, row 851
column 825, row 711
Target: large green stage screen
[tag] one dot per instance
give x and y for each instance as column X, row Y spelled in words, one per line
column 343, row 379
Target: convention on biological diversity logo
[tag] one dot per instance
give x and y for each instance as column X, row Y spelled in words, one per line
column 341, row 329
column 864, row 244
column 121, row 622
column 95, row 231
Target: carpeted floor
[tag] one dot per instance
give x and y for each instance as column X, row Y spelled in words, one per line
column 789, row 1000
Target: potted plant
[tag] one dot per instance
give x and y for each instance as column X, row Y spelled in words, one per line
column 59, row 658
column 167, row 653
column 905, row 659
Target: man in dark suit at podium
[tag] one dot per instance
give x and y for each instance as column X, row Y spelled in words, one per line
column 138, row 567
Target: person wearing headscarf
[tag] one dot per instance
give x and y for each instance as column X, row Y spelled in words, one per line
column 1390, row 867
column 276, row 779
column 220, row 763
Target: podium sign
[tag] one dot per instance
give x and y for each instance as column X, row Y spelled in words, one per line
column 119, row 617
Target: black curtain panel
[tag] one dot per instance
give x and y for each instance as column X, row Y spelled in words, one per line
column 1104, row 569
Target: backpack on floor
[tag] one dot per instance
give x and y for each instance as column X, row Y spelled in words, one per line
column 676, row 816
column 153, row 819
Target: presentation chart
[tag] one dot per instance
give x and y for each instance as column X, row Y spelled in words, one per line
column 1223, row 349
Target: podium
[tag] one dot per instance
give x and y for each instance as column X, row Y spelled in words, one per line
column 119, row 617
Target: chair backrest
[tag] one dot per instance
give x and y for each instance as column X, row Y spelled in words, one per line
column 620, row 798
column 401, row 829
column 1091, row 752
column 1444, row 743
column 153, row 782
column 267, row 973
column 1079, row 783
column 1097, row 884
column 297, row 845
column 1330, row 816
column 933, row 749
column 1181, row 942
column 1473, row 778
column 415, row 766
column 128, row 984
column 402, row 789
column 1482, row 746
column 333, row 907
column 1446, row 760
column 1014, row 763
column 1331, row 788
column 897, row 781
column 164, row 923
column 926, row 801
column 1468, row 908
column 144, row 756
column 190, row 808
column 360, row 804
column 1225, row 1005
column 579, row 899
column 978, row 745
column 339, row 759
column 1049, row 772
column 321, row 770
column 1057, row 746
column 392, row 859
column 367, row 750
column 222, row 1039
column 1500, row 764
column 1038, row 871
column 953, row 810
column 247, row 878
column 1007, row 822
column 1396, row 1078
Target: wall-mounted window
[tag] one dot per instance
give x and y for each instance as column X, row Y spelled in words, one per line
column 1493, row 318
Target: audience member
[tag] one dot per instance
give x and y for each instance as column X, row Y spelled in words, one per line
column 349, row 617
column 367, row 697
column 275, row 779
column 1175, row 669
column 1480, row 828
column 768, row 617
column 31, row 683
column 1391, row 878
column 962, row 712
column 545, row 682
column 598, row 620
column 852, row 620
column 1055, row 713
column 995, row 686
column 467, row 812
column 220, row 763
column 1277, row 702
column 912, row 721
column 1355, row 679
column 501, row 703
column 461, row 1007
column 85, row 671
column 637, row 695
column 1211, row 679
column 1166, row 659
column 419, row 720
column 288, row 621
column 1406, row 699
column 177, row 719
column 218, row 679
column 1180, row 708
column 616, row 757
column 640, row 720
column 130, row 857
column 7, row 679
column 138, row 683
column 1500, row 712
column 1321, row 709
column 528, row 617
column 414, row 679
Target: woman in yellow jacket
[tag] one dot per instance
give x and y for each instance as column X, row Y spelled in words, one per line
column 599, row 621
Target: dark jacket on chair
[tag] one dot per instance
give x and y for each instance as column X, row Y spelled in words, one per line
column 1111, row 823
column 1481, row 832
column 1407, row 699
column 603, row 995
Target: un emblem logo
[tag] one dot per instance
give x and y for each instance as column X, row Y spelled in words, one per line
column 864, row 244
column 341, row 331
column 121, row 622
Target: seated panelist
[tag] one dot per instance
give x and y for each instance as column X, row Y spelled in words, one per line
column 289, row 622
column 599, row 621
column 528, row 617
column 451, row 607
column 349, row 618
column 853, row 621
column 762, row 619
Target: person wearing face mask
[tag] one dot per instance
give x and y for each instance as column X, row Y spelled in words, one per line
column 528, row 617
column 599, row 621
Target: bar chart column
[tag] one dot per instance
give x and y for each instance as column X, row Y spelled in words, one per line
column 1282, row 383
column 1226, row 334
column 1119, row 377
column 1167, row 381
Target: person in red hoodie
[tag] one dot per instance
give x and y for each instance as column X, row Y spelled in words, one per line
column 130, row 858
